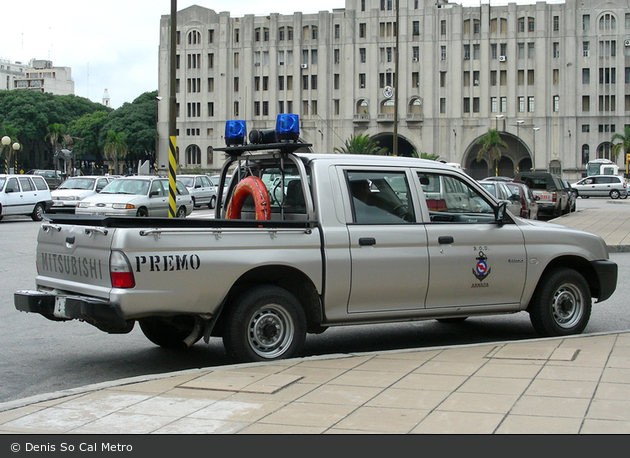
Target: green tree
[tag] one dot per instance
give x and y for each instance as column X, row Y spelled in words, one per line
column 136, row 120
column 86, row 131
column 491, row 145
column 32, row 112
column 622, row 146
column 361, row 144
column 115, row 148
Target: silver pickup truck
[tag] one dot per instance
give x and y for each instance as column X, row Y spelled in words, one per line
column 308, row 241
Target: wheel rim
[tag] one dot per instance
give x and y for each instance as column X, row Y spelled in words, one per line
column 270, row 331
column 614, row 194
column 567, row 306
column 39, row 212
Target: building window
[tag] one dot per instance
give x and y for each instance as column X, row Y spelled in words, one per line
column 337, row 31
column 442, row 79
column 503, row 104
column 586, row 22
column 415, row 79
column 607, row 22
column 531, row 51
column 466, row 105
column 336, row 81
column 476, row 52
column 335, row 56
column 305, row 82
column 362, row 30
column 556, row 50
column 442, row 27
column 415, row 53
column 493, row 105
column 442, row 105
column 281, row 83
column 193, row 155
column 442, row 52
column 586, row 103
column 416, row 28
column 210, row 84
column 521, row 104
column 520, row 52
column 530, row 104
column 314, row 82
column 362, row 80
column 466, row 52
column 520, row 26
column 475, row 104
column 586, row 47
column 530, row 24
column 586, row 76
column 362, row 55
column 556, row 23
column 336, row 105
column 556, row 103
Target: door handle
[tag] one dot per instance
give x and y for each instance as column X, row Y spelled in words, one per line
column 445, row 240
column 367, row 241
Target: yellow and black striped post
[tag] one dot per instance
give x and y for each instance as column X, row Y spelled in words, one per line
column 172, row 167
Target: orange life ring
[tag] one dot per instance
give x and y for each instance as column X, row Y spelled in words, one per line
column 249, row 186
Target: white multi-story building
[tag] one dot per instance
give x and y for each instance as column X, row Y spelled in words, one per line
column 553, row 79
column 38, row 75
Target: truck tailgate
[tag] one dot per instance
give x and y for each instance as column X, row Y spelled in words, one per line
column 74, row 257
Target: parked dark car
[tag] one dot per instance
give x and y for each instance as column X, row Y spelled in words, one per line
column 549, row 191
column 53, row 177
column 573, row 195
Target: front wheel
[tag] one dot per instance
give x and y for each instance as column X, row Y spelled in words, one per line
column 264, row 324
column 614, row 194
column 561, row 304
column 213, row 202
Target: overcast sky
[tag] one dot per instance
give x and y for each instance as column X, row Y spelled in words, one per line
column 113, row 45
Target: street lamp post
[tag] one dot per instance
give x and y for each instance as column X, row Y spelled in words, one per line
column 6, row 141
column 497, row 122
column 518, row 139
column 536, row 129
column 16, row 148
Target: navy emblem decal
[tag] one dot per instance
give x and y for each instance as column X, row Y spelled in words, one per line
column 481, row 269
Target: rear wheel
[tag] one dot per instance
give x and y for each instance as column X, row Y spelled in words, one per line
column 181, row 212
column 266, row 323
column 171, row 332
column 38, row 212
column 561, row 305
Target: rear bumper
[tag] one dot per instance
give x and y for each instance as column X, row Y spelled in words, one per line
column 606, row 272
column 102, row 314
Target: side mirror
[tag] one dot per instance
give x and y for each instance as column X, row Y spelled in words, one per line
column 499, row 213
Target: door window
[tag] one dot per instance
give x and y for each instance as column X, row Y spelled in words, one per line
column 380, row 197
column 26, row 184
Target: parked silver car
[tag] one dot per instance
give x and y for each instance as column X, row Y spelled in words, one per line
column 499, row 190
column 68, row 195
column 201, row 189
column 136, row 196
column 612, row 186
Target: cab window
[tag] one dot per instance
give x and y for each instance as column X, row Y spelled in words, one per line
column 380, row 197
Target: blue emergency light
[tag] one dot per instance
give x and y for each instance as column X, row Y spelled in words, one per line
column 287, row 127
column 235, row 132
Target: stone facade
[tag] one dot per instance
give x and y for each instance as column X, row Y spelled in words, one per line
column 554, row 79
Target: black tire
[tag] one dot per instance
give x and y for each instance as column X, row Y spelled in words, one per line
column 561, row 304
column 38, row 212
column 142, row 212
column 614, row 194
column 181, row 212
column 213, row 202
column 266, row 323
column 169, row 332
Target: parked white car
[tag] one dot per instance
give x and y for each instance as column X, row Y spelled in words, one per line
column 68, row 195
column 612, row 186
column 136, row 196
column 24, row 195
column 201, row 189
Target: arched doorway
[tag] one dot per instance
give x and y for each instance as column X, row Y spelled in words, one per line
column 386, row 140
column 513, row 159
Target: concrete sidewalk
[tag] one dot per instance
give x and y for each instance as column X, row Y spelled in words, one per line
column 573, row 385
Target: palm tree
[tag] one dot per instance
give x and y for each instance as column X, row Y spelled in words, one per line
column 623, row 146
column 115, row 147
column 491, row 145
column 55, row 135
column 361, row 144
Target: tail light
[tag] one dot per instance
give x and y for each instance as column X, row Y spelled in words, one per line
column 120, row 271
column 554, row 197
